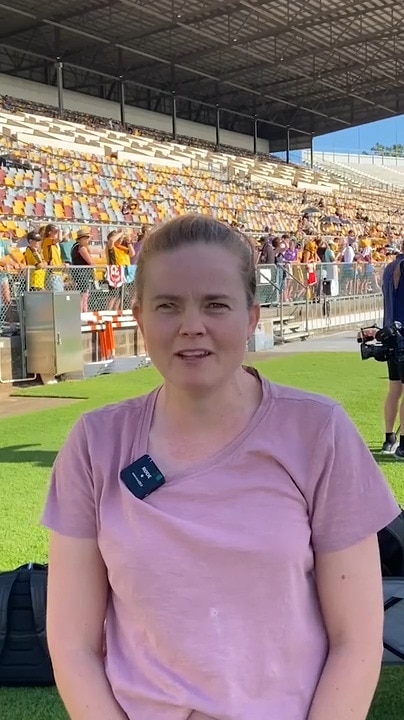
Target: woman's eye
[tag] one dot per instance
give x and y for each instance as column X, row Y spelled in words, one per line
column 165, row 306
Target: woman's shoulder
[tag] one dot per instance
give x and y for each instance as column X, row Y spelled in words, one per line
column 126, row 413
column 292, row 403
column 296, row 395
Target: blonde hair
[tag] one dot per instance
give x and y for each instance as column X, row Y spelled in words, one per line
column 193, row 229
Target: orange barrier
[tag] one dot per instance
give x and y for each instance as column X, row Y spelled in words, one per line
column 104, row 324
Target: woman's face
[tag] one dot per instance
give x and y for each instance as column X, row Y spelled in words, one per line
column 194, row 316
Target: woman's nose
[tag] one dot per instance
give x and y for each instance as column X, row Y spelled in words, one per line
column 192, row 322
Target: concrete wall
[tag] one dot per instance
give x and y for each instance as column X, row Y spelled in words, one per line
column 38, row 92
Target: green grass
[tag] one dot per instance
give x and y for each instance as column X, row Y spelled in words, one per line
column 29, row 444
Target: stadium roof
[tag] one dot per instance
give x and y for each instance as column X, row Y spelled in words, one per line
column 312, row 65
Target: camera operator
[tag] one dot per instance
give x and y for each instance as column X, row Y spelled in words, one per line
column 393, row 302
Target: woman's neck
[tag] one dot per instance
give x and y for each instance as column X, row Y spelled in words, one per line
column 189, row 413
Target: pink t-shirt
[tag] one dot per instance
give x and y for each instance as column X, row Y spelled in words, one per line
column 213, row 611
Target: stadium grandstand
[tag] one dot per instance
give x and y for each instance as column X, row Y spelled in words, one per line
column 118, row 115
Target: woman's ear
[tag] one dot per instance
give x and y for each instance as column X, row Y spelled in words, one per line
column 137, row 314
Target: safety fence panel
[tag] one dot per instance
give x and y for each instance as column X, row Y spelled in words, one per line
column 293, row 282
column 113, row 287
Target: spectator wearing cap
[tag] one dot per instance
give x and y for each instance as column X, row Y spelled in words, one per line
column 35, row 261
column 81, row 257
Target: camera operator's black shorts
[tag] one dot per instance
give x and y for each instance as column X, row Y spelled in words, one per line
column 396, row 370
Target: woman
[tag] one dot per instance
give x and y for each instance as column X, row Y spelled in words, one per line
column 310, row 259
column 330, row 267
column 119, row 253
column 81, row 258
column 248, row 585
column 290, row 257
column 52, row 256
column 368, row 278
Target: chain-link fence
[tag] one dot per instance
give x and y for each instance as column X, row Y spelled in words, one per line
column 108, row 287
column 101, row 288
column 12, row 285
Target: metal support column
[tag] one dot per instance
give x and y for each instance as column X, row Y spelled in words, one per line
column 311, row 152
column 288, row 145
column 255, row 134
column 122, row 101
column 59, row 77
column 174, row 114
column 217, row 126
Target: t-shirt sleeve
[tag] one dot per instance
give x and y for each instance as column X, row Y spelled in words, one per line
column 70, row 507
column 350, row 499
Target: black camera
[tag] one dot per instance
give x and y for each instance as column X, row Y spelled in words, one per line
column 382, row 344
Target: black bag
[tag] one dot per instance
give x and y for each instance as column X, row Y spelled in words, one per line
column 393, row 631
column 391, row 546
column 24, row 656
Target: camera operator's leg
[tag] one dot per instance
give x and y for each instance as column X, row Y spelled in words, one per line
column 399, row 453
column 391, row 407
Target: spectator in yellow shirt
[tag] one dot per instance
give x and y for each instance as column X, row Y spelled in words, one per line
column 119, row 252
column 35, row 261
column 52, row 256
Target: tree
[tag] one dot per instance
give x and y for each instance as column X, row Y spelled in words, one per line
column 378, row 149
column 396, row 150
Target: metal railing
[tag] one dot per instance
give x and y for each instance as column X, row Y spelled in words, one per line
column 322, row 296
column 294, row 285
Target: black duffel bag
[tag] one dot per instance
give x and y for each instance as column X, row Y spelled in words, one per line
column 24, row 655
column 391, row 546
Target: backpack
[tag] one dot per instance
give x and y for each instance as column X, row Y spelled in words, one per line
column 391, row 546
column 24, row 655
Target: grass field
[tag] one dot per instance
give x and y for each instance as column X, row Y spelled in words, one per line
column 29, row 444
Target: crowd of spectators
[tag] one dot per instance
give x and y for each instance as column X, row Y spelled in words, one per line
column 306, row 238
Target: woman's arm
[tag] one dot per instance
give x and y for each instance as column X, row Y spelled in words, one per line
column 351, row 598
column 85, row 254
column 77, row 598
column 131, row 249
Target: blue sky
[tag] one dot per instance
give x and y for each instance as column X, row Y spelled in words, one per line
column 387, row 132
